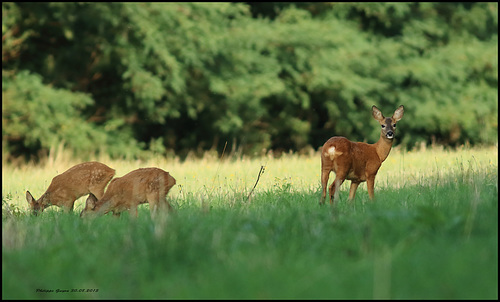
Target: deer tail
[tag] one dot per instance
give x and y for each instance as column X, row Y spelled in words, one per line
column 332, row 153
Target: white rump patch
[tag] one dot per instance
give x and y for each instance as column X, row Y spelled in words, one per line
column 332, row 153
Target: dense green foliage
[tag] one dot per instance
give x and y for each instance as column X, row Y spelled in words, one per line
column 435, row 240
column 129, row 78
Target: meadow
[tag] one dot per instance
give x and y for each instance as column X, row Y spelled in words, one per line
column 431, row 233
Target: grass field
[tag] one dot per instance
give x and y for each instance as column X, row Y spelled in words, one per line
column 432, row 233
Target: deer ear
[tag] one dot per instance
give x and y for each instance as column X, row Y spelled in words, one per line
column 377, row 114
column 29, row 198
column 398, row 114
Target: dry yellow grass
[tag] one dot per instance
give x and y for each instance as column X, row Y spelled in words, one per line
column 211, row 177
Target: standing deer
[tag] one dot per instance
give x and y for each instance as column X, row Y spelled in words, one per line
column 357, row 162
column 65, row 188
column 127, row 192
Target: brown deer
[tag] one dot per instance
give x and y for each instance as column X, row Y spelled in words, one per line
column 127, row 192
column 357, row 162
column 65, row 188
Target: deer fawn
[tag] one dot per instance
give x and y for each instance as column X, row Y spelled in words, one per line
column 127, row 192
column 65, row 188
column 357, row 162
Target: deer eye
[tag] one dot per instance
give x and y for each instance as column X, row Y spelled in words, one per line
column 383, row 126
column 394, row 125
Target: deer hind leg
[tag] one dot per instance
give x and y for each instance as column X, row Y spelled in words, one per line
column 154, row 202
column 153, row 206
column 334, row 190
column 163, row 204
column 325, row 174
column 335, row 186
column 166, row 205
column 98, row 188
column 352, row 191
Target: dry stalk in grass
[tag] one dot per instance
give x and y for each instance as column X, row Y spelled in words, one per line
column 218, row 166
column 262, row 168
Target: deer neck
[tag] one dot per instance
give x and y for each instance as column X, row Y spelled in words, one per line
column 383, row 147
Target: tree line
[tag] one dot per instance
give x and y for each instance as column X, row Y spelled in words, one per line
column 132, row 79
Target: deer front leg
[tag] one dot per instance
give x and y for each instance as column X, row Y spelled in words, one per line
column 370, row 183
column 133, row 212
column 68, row 207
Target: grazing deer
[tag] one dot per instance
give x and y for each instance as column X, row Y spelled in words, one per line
column 127, row 192
column 357, row 162
column 65, row 188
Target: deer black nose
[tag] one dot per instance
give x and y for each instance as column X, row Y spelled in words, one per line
column 389, row 134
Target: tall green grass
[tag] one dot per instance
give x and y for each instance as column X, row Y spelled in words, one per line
column 432, row 233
